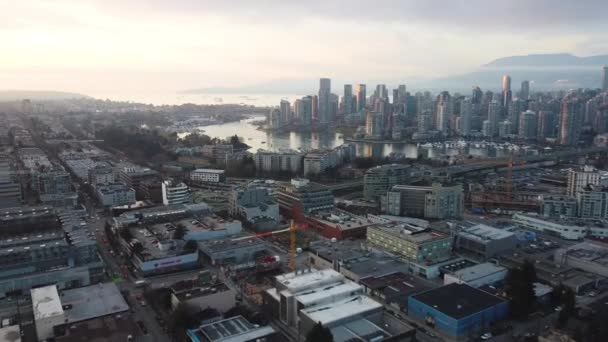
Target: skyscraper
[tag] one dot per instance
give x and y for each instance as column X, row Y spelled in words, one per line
column 304, row 110
column 605, row 79
column 285, row 111
column 324, row 101
column 524, row 93
column 374, row 125
column 347, row 99
column 547, row 122
column 506, row 92
column 361, row 97
column 527, row 125
column 466, row 111
column 494, row 110
column 571, row 120
column 444, row 111
column 517, row 107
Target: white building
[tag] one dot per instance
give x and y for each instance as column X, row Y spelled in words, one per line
column 208, row 176
column 102, row 173
column 577, row 180
column 326, row 296
column 267, row 161
column 477, row 275
column 175, row 192
column 115, row 194
column 48, row 311
column 563, row 230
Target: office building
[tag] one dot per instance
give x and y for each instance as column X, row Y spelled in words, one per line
column 458, row 310
column 324, row 101
column 494, row 114
column 434, row 202
column 579, row 179
column 175, row 192
column 592, row 203
column 274, row 118
column 444, row 112
column 133, row 175
column 518, row 106
column 605, row 80
column 504, row 129
column 506, row 91
column 527, row 125
column 347, row 99
column 466, row 113
column 524, row 93
column 114, row 194
column 304, row 110
column 337, row 224
column 547, row 125
column 558, row 206
column 484, row 241
column 303, row 197
column 421, row 245
column 254, row 204
column 361, row 97
column 285, row 108
column 101, row 173
column 571, row 120
column 374, row 125
column 302, row 299
column 42, row 245
column 379, row 179
column 208, row 176
column 233, row 329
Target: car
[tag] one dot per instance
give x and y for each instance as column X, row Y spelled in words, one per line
column 486, row 336
column 558, row 309
column 142, row 303
column 592, row 294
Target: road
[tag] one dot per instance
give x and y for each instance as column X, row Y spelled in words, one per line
column 127, row 284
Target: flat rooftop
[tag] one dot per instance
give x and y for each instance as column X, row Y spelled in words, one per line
column 103, row 329
column 458, row 300
column 478, row 271
column 482, row 232
column 396, row 286
column 46, row 302
column 359, row 330
column 11, row 333
column 234, row 329
column 302, row 281
column 223, row 245
column 209, row 171
column 341, row 219
column 84, row 303
column 405, row 232
column 200, row 292
column 338, row 310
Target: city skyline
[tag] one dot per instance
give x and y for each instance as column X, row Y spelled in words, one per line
column 97, row 47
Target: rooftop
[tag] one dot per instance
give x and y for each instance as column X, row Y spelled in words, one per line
column 11, row 333
column 200, row 292
column 458, row 300
column 478, row 271
column 222, row 245
column 482, row 232
column 93, row 301
column 234, row 329
column 340, row 219
column 296, row 282
column 103, row 329
column 412, row 234
column 338, row 310
column 209, row 171
column 397, row 286
column 46, row 302
column 359, row 330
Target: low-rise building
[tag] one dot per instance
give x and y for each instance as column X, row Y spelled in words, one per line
column 101, row 173
column 412, row 243
column 303, row 196
column 208, row 176
column 566, row 229
column 287, row 161
column 484, row 241
column 378, row 180
column 338, row 224
column 317, row 162
column 395, row 288
column 432, row 202
column 234, row 329
column 234, row 252
column 254, row 204
column 301, row 300
column 175, row 192
column 218, row 296
column 558, row 206
column 114, row 194
column 458, row 310
column 587, row 256
column 477, row 275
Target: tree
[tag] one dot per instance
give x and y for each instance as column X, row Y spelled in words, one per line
column 519, row 286
column 180, row 231
column 190, row 247
column 319, row 333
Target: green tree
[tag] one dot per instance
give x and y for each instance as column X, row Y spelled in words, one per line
column 190, row 246
column 319, row 333
column 180, row 231
column 519, row 286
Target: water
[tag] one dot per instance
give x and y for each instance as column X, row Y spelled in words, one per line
column 260, row 100
column 274, row 141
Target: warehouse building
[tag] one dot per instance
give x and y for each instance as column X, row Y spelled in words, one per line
column 458, row 310
column 484, row 241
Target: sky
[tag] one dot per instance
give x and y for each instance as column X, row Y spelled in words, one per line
column 129, row 46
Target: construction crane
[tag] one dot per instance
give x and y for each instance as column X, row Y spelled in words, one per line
column 293, row 227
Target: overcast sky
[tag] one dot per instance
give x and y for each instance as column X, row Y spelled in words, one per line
column 94, row 46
